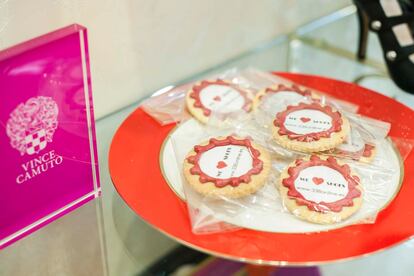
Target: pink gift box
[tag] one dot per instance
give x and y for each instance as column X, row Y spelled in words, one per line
column 48, row 151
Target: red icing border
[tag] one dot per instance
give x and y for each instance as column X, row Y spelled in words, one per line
column 322, row 207
column 314, row 136
column 196, row 89
column 283, row 88
column 257, row 165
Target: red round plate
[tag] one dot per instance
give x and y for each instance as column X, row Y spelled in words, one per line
column 135, row 171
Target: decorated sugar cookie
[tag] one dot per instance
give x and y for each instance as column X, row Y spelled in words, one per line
column 310, row 127
column 281, row 93
column 227, row 167
column 216, row 96
column 320, row 189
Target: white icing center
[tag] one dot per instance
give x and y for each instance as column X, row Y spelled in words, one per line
column 321, row 184
column 221, row 98
column 307, row 121
column 224, row 162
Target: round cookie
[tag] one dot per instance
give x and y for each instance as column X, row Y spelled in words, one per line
column 282, row 93
column 320, row 189
column 216, row 96
column 229, row 167
column 310, row 127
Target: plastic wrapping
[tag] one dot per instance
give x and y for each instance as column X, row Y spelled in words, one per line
column 166, row 106
column 326, row 190
column 311, row 126
column 365, row 137
column 223, row 174
column 171, row 104
column 212, row 210
column 237, row 172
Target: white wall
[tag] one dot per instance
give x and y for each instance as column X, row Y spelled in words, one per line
column 137, row 46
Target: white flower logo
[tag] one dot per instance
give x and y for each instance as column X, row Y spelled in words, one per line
column 32, row 125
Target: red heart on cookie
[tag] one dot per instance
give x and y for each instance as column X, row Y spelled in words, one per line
column 217, row 98
column 221, row 164
column 317, row 180
column 305, row 119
